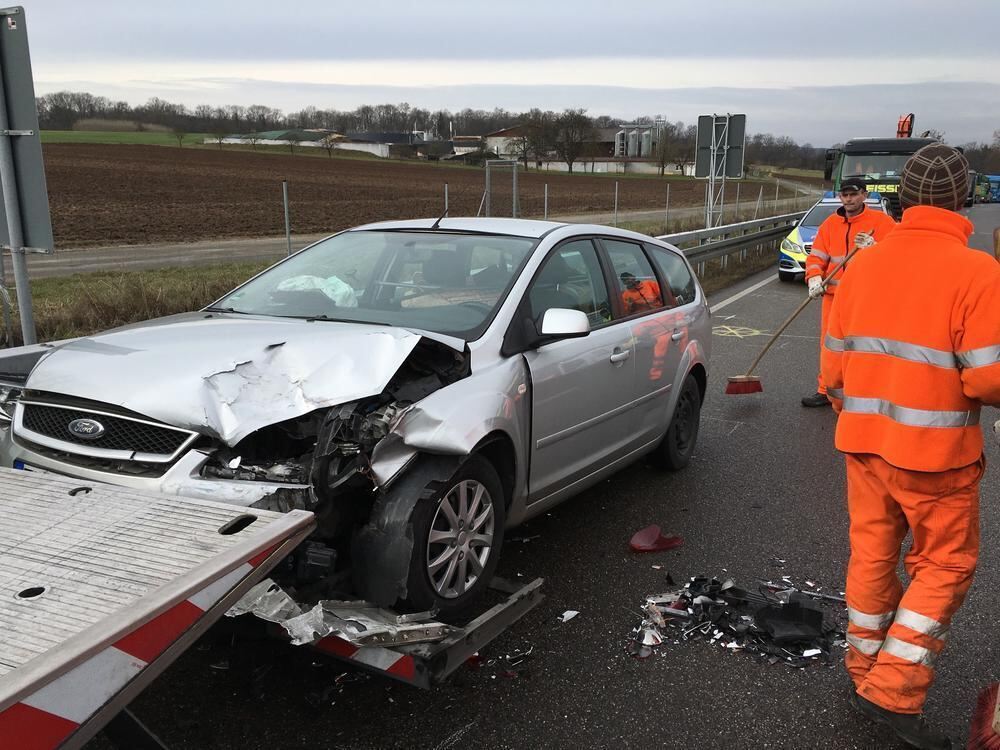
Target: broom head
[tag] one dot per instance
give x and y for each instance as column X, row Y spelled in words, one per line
column 741, row 385
column 984, row 731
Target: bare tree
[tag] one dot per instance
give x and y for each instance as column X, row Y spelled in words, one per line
column 253, row 139
column 219, row 133
column 519, row 146
column 573, row 130
column 180, row 134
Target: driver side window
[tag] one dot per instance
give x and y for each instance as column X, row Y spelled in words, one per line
column 571, row 278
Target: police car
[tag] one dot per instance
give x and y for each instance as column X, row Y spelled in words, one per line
column 798, row 244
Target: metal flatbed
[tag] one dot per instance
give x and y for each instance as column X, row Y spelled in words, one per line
column 101, row 587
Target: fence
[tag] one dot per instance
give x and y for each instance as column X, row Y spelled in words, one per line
column 720, row 243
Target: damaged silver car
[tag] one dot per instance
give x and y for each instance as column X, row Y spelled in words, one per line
column 421, row 385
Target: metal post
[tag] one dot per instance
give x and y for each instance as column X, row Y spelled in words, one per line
column 446, row 199
column 666, row 209
column 516, row 204
column 616, row 203
column 8, row 182
column 738, row 200
column 545, row 215
column 486, row 194
column 288, row 225
column 8, row 323
column 760, row 199
column 777, row 187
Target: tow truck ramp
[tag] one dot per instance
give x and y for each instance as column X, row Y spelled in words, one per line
column 102, row 587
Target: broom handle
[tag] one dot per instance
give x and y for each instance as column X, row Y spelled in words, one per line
column 794, row 315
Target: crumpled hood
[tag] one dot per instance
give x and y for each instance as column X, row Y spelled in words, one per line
column 226, row 375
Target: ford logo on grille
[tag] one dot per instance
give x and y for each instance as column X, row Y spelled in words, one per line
column 88, row 429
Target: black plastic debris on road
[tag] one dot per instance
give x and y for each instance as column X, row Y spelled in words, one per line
column 771, row 622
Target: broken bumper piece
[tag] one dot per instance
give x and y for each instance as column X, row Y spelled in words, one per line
column 358, row 622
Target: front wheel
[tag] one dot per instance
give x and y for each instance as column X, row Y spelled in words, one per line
column 457, row 534
column 678, row 444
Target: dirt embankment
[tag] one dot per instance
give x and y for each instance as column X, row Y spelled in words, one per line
column 109, row 195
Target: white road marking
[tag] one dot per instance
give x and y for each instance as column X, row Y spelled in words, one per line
column 741, row 295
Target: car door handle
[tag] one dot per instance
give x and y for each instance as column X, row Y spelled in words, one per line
column 677, row 335
column 619, row 357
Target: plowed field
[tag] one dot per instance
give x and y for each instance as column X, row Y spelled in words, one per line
column 116, row 195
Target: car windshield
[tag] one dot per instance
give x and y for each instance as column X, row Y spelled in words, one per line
column 444, row 282
column 873, row 166
column 818, row 214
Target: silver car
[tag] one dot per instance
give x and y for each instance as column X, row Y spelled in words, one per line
column 422, row 385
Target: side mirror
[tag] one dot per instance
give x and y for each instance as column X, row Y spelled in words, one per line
column 560, row 323
column 832, row 154
column 795, row 222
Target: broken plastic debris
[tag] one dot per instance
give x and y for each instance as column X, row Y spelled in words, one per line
column 568, row 615
column 650, row 637
column 772, row 622
column 651, row 539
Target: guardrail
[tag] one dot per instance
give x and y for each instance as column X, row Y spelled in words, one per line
column 702, row 245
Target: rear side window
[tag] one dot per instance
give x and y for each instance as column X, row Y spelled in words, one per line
column 675, row 273
column 637, row 285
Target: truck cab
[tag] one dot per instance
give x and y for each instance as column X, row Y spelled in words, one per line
column 878, row 161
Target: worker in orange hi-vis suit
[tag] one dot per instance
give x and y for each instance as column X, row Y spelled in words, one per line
column 911, row 354
column 853, row 225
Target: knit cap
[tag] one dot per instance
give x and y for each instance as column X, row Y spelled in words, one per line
column 936, row 175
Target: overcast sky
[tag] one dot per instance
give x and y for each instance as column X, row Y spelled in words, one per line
column 819, row 72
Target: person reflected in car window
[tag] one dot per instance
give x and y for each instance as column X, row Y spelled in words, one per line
column 639, row 295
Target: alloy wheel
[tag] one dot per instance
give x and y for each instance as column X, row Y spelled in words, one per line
column 460, row 539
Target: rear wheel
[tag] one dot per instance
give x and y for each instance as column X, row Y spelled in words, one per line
column 678, row 444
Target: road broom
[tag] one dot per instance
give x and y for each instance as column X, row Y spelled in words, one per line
column 741, row 385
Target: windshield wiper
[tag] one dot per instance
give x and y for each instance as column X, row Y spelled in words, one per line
column 225, row 309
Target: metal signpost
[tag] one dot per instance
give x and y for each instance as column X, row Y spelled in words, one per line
column 719, row 155
column 25, row 226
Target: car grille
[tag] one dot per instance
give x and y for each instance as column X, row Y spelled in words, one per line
column 124, row 434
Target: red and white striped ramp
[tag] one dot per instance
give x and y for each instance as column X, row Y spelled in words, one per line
column 102, row 587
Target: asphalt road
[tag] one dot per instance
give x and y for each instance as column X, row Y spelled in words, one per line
column 765, row 483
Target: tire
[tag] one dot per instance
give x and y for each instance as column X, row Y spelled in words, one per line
column 786, row 276
column 443, row 545
column 675, row 451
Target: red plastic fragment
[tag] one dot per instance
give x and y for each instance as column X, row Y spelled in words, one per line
column 651, row 539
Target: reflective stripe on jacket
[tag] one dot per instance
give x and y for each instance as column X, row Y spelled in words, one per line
column 913, row 345
column 835, row 239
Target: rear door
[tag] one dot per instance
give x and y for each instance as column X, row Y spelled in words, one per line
column 657, row 322
column 580, row 387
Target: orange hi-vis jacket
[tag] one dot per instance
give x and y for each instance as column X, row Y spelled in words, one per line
column 913, row 345
column 835, row 239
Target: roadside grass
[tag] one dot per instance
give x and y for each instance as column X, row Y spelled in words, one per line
column 83, row 304
column 108, row 137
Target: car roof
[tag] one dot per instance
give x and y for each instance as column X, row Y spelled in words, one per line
column 512, row 227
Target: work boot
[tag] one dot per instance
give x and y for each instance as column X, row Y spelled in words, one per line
column 911, row 728
column 817, row 399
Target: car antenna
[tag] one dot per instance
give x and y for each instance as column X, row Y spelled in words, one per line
column 435, row 224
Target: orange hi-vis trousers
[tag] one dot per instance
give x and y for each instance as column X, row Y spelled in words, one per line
column 824, row 322
column 894, row 636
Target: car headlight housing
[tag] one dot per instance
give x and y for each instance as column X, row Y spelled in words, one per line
column 8, row 400
column 791, row 247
